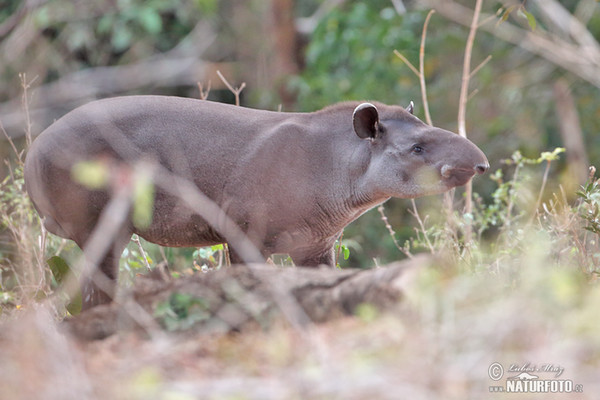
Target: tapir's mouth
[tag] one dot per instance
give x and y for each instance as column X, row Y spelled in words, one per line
column 453, row 176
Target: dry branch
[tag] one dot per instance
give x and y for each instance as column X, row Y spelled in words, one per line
column 180, row 66
column 569, row 44
column 462, row 106
column 89, row 84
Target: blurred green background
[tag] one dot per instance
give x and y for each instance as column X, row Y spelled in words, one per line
column 538, row 92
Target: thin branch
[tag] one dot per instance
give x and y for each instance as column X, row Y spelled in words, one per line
column 408, row 63
column 581, row 60
column 235, row 91
column 136, row 239
column 204, row 93
column 415, row 213
column 12, row 144
column 25, row 105
column 486, row 20
column 392, row 233
column 481, row 65
column 339, row 249
column 466, row 75
column 540, row 194
column 462, row 107
column 472, row 94
column 422, row 69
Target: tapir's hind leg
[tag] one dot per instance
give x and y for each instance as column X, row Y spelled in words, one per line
column 98, row 284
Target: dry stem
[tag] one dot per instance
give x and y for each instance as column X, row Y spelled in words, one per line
column 204, row 93
column 236, row 91
column 415, row 213
column 462, row 106
column 385, row 220
column 422, row 69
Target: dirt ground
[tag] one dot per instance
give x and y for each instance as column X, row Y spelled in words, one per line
column 447, row 335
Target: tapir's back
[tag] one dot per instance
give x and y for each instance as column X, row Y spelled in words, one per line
column 169, row 128
column 196, row 139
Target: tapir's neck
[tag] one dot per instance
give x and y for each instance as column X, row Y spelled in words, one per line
column 350, row 191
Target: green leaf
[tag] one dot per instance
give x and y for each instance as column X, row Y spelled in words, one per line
column 346, row 251
column 121, row 38
column 150, row 20
column 366, row 312
column 74, row 306
column 217, row 247
column 143, row 203
column 551, row 156
column 530, row 18
column 506, row 13
column 91, row 174
column 105, row 24
column 182, row 311
column 59, row 267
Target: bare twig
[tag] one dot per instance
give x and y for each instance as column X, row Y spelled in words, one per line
column 422, row 69
column 172, row 68
column 339, row 249
column 540, row 194
column 415, row 213
column 204, row 93
column 481, row 65
column 12, row 144
column 25, row 105
column 408, row 63
column 462, row 107
column 236, row 91
column 385, row 220
column 420, row 73
column 136, row 239
column 581, row 55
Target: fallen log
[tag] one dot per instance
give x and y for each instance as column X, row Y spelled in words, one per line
column 233, row 299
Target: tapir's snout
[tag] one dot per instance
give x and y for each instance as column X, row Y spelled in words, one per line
column 460, row 170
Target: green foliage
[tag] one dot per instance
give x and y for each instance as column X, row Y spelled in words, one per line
column 350, row 55
column 110, row 30
column 501, row 211
column 143, row 202
column 521, row 12
column 366, row 312
column 181, row 311
column 19, row 262
column 59, row 268
column 91, row 174
column 210, row 257
column 590, row 209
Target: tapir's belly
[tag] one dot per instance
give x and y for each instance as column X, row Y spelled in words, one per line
column 175, row 225
column 194, row 232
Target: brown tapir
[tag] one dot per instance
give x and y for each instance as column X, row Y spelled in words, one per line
column 290, row 181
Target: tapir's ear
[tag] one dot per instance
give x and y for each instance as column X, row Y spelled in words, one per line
column 366, row 120
column 411, row 107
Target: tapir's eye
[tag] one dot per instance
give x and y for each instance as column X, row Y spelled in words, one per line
column 417, row 149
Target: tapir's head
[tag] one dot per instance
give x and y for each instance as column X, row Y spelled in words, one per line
column 409, row 158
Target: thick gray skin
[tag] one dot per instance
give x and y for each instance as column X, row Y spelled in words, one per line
column 290, row 181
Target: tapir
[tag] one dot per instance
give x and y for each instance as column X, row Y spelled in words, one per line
column 289, row 182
